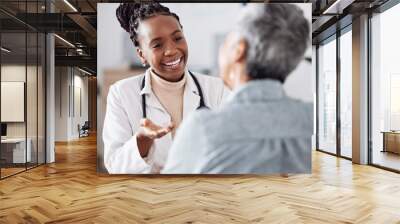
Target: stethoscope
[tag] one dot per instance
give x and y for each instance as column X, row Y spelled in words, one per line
column 196, row 82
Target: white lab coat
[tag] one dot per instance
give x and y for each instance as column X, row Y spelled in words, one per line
column 124, row 112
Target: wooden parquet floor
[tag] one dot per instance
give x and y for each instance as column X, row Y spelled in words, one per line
column 70, row 191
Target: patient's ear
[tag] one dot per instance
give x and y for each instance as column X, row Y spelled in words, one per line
column 240, row 50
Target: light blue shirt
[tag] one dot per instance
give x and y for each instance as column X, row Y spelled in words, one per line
column 259, row 130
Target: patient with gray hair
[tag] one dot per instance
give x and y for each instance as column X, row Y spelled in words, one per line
column 259, row 129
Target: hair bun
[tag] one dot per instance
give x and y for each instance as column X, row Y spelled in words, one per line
column 130, row 14
column 125, row 12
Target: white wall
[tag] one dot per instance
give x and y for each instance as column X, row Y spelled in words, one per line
column 204, row 26
column 61, row 103
column 81, row 84
column 299, row 84
column 114, row 47
column 33, row 125
column 12, row 73
column 67, row 115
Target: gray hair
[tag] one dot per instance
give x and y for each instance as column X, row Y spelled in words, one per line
column 277, row 36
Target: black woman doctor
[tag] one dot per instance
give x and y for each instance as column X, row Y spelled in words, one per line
column 144, row 111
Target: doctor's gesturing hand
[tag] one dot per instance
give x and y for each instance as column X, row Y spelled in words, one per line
column 147, row 132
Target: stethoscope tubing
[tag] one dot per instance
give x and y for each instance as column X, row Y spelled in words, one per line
column 196, row 82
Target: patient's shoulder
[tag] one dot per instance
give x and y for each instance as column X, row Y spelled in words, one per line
column 200, row 121
column 201, row 116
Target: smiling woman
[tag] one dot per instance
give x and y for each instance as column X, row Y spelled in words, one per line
column 159, row 37
column 163, row 46
column 143, row 112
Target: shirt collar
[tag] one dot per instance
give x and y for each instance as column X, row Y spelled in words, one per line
column 147, row 84
column 190, row 85
column 254, row 90
column 165, row 85
column 191, row 97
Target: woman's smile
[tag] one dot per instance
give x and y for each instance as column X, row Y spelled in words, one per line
column 174, row 64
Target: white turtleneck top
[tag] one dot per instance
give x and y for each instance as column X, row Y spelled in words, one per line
column 170, row 95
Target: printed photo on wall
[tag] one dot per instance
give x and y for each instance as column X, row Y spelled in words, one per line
column 201, row 88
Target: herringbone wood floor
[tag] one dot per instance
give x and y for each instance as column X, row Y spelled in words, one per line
column 70, row 191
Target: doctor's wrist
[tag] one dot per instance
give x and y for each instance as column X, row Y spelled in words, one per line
column 144, row 144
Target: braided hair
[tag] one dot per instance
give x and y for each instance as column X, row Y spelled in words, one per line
column 130, row 14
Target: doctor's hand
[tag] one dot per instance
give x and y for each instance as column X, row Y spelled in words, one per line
column 148, row 131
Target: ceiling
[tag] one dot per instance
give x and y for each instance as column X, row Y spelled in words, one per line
column 76, row 22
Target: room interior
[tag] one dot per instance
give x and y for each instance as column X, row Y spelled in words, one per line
column 51, row 85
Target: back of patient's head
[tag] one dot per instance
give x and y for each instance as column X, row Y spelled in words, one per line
column 277, row 36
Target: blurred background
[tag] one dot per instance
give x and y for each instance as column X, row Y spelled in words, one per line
column 205, row 26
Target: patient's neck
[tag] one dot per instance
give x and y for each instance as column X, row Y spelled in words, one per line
column 240, row 77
